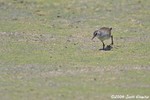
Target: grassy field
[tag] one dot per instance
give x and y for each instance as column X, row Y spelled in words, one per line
column 46, row 51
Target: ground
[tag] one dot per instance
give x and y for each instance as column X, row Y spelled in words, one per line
column 47, row 53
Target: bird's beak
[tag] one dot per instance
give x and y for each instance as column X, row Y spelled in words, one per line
column 93, row 37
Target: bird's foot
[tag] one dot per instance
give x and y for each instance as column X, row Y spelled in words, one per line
column 107, row 48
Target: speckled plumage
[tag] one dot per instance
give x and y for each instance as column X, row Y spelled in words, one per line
column 103, row 34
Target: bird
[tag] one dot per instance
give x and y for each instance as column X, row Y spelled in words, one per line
column 103, row 34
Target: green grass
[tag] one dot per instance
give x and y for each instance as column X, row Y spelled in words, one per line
column 47, row 53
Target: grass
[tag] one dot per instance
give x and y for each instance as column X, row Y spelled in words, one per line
column 47, row 53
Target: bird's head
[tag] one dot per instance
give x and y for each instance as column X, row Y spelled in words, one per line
column 94, row 34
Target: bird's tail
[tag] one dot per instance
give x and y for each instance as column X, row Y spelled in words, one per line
column 110, row 28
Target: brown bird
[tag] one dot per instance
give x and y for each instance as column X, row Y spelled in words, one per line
column 103, row 34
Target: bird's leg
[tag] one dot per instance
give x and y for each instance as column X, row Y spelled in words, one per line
column 103, row 45
column 112, row 42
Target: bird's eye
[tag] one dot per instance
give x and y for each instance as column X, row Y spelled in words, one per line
column 95, row 33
